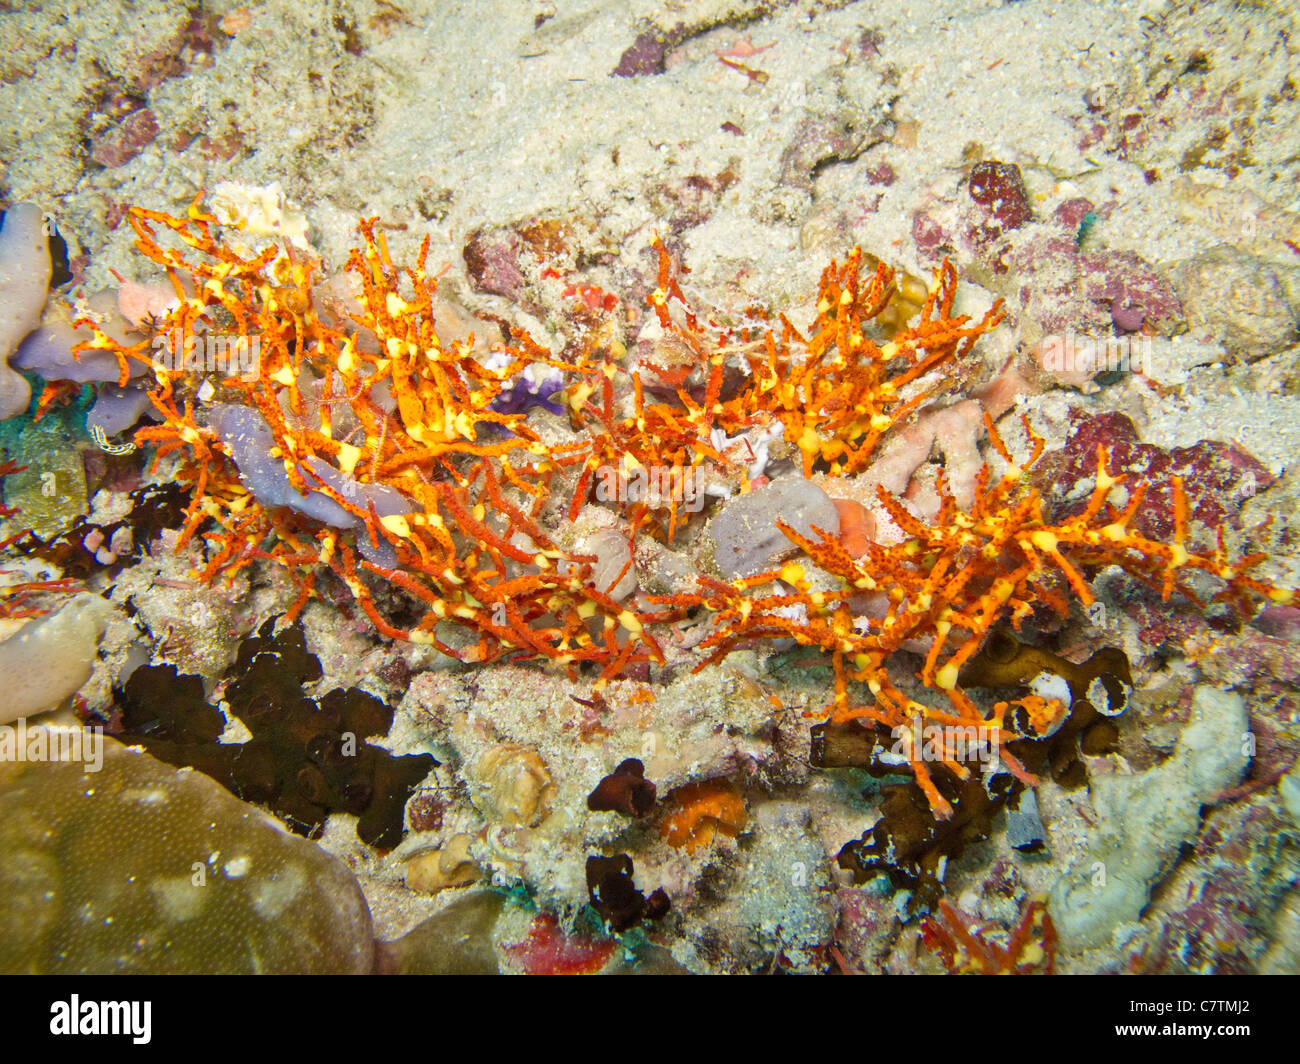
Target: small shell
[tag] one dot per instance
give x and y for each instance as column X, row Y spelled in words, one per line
column 611, row 572
column 452, row 866
column 517, row 785
column 237, row 20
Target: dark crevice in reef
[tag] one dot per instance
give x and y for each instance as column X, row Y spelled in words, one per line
column 908, row 844
column 307, row 758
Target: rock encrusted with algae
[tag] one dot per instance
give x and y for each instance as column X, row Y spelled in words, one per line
column 200, row 883
column 50, row 487
column 1146, row 817
column 1250, row 314
column 788, row 897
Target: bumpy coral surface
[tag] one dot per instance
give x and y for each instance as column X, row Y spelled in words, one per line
column 203, row 884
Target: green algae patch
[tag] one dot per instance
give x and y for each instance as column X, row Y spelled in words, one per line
column 50, row 487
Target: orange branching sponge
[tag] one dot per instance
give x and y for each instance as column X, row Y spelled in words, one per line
column 837, row 391
column 967, row 949
column 704, row 809
column 659, row 439
column 833, row 393
column 55, row 393
column 670, row 440
column 944, row 588
column 381, row 425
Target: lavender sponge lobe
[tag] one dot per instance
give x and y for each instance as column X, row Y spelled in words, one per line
column 248, row 435
column 24, row 281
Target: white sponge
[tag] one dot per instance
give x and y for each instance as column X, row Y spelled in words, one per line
column 48, row 659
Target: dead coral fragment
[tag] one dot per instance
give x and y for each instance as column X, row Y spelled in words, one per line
column 437, row 870
column 517, row 787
